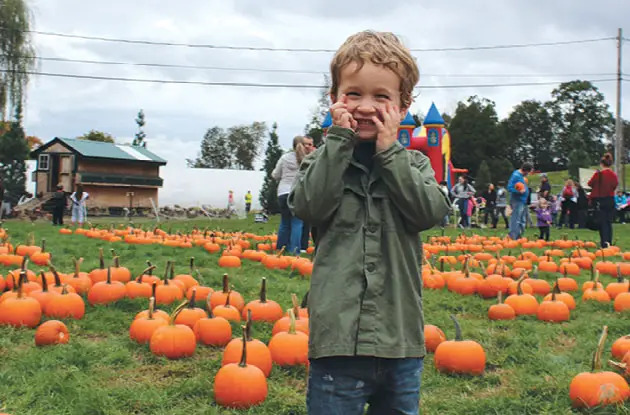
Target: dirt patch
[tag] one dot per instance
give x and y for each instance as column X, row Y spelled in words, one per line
column 562, row 343
column 505, row 387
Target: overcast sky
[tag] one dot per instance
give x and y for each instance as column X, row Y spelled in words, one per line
column 178, row 115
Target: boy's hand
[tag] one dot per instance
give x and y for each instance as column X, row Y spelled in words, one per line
column 340, row 115
column 388, row 128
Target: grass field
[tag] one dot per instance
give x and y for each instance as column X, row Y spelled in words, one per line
column 101, row 371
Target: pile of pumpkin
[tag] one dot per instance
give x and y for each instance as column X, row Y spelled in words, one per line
column 233, row 246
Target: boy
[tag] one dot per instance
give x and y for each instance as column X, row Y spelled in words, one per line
column 369, row 198
column 59, row 205
column 517, row 186
column 501, row 205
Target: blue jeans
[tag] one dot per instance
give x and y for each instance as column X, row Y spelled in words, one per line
column 290, row 231
column 344, row 385
column 463, row 212
column 517, row 219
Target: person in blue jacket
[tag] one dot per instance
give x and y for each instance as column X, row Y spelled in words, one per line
column 518, row 199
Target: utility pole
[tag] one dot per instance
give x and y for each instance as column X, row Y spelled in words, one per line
column 620, row 166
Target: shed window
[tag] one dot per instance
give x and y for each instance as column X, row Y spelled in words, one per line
column 43, row 161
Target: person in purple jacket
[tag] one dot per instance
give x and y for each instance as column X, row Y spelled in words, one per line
column 544, row 218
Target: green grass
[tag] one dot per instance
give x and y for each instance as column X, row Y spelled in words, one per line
column 558, row 178
column 529, row 363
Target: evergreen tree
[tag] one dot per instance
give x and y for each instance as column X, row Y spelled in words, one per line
column 215, row 152
column 314, row 128
column 94, row 135
column 13, row 155
column 483, row 178
column 140, row 135
column 269, row 192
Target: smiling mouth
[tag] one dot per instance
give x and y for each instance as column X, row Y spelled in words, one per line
column 365, row 123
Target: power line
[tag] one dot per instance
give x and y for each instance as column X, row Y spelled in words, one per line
column 300, row 71
column 310, row 50
column 261, row 85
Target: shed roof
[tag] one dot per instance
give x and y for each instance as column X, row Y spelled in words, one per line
column 98, row 149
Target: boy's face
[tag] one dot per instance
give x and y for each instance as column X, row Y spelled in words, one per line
column 368, row 90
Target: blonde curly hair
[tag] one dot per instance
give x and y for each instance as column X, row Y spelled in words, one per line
column 380, row 48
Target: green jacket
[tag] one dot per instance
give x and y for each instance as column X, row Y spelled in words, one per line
column 366, row 287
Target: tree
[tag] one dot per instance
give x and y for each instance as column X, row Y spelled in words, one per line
column 474, row 134
column 33, row 142
column 581, row 120
column 140, row 135
column 269, row 192
column 529, row 131
column 245, row 142
column 94, row 135
column 483, row 178
column 578, row 158
column 17, row 55
column 314, row 127
column 501, row 169
column 215, row 153
column 13, row 155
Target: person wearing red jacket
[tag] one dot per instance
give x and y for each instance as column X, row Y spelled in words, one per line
column 603, row 185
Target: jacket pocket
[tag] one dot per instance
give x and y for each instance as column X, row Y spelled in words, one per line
column 350, row 213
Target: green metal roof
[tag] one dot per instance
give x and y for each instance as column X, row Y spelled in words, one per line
column 97, row 149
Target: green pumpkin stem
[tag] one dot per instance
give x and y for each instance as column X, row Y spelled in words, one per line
column 500, row 297
column 24, row 262
column 209, row 307
column 519, row 289
column 243, row 362
column 192, row 298
column 248, row 325
column 192, row 264
column 150, row 265
column 109, row 276
column 597, row 356
column 146, row 270
column 43, row 245
column 263, row 290
column 20, row 283
column 296, row 306
column 177, row 311
column 168, row 265
column 458, row 329
column 55, row 274
column 116, row 262
column 619, row 276
column 153, row 288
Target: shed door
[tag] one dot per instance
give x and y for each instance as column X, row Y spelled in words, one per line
column 65, row 171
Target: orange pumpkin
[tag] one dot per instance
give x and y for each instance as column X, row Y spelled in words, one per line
column 188, row 280
column 65, row 305
column 621, row 285
column 622, row 301
column 553, row 310
column 168, row 292
column 240, row 385
column 258, row 353
column 100, row 273
column 228, row 311
column 620, row 347
column 213, row 330
column 590, row 389
column 289, row 348
column 263, row 309
column 51, row 332
column 142, row 328
column 523, row 304
column 460, row 356
column 433, row 337
column 138, row 287
column 80, row 281
column 173, row 341
column 218, row 297
column 42, row 295
column 501, row 311
column 301, row 321
column 20, row 310
column 108, row 291
column 41, row 257
column 191, row 314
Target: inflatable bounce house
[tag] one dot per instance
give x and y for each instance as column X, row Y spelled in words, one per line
column 432, row 139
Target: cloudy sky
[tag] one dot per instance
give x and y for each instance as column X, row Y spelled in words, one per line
column 178, row 115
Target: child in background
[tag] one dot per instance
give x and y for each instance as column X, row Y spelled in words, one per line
column 544, row 218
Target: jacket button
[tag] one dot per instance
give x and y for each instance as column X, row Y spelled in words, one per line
column 372, row 228
column 371, row 267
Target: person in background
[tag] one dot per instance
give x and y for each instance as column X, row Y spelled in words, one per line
column 569, row 204
column 290, row 231
column 444, row 188
column 526, row 213
column 230, row 206
column 501, row 205
column 603, row 184
column 490, row 195
column 581, row 206
column 554, row 205
column 621, row 205
column 59, row 205
column 248, row 202
column 543, row 218
column 307, row 230
column 462, row 192
column 78, row 199
column 545, row 186
column 517, row 186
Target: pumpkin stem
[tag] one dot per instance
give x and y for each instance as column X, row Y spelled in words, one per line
column 292, row 319
column 556, row 287
column 458, row 329
column 243, row 362
column 116, row 262
column 192, row 264
column 77, row 266
column 192, row 298
column 619, row 277
column 178, row 310
column 44, row 282
column 168, row 265
column 226, row 286
column 64, row 289
column 151, row 307
column 101, row 260
column 109, row 276
column 442, row 264
column 209, row 307
column 535, row 273
column 248, row 325
column 55, row 274
column 500, row 297
column 147, row 270
column 43, row 245
column 617, row 365
column 24, row 262
column 519, row 289
column 153, row 288
column 597, row 356
column 296, row 307
column 227, row 298
column 263, row 290
column 151, row 270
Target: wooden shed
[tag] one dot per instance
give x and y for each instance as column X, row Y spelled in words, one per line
column 115, row 175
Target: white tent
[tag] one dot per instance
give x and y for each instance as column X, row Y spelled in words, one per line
column 188, row 187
